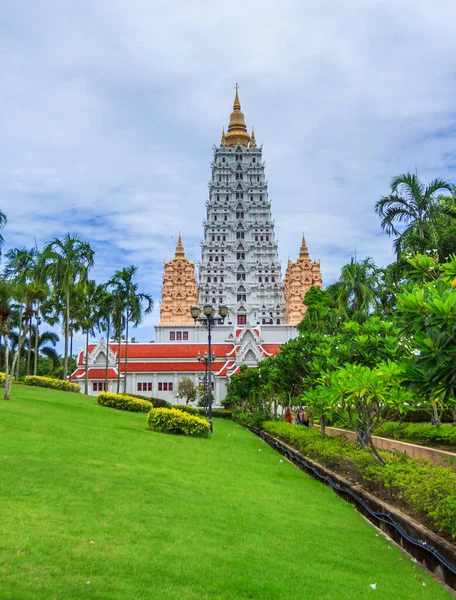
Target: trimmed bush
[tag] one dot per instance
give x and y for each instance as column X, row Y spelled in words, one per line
column 2, row 379
column 177, row 422
column 123, row 402
column 191, row 410
column 422, row 433
column 156, row 402
column 420, row 488
column 217, row 413
column 54, row 384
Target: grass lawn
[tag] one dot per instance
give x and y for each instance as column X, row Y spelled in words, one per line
column 94, row 506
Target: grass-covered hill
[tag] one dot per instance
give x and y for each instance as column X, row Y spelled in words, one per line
column 92, row 505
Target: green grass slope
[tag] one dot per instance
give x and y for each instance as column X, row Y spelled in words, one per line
column 94, row 506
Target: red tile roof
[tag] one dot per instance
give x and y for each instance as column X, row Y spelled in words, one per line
column 178, row 367
column 271, row 348
column 94, row 373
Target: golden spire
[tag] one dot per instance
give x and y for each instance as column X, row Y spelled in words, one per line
column 180, row 255
column 223, row 142
column 237, row 130
column 252, row 140
column 303, row 252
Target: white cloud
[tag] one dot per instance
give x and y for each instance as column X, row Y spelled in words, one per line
column 109, row 111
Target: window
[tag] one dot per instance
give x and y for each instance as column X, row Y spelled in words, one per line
column 278, row 321
column 256, row 238
column 239, row 214
column 172, row 335
column 240, row 276
column 98, row 386
column 170, row 387
column 267, row 238
column 209, row 279
column 266, row 279
column 165, row 386
column 223, row 259
column 218, row 198
column 261, row 198
column 227, row 198
column 261, row 238
column 240, row 255
column 239, row 196
column 221, row 279
column 242, row 319
column 260, row 279
column 160, row 387
column 179, row 335
column 185, row 335
column 223, row 238
column 215, row 217
column 239, row 235
column 216, row 259
column 251, row 198
column 145, row 386
column 223, row 159
column 220, row 178
column 226, row 217
column 253, row 159
column 210, row 258
column 258, row 178
column 241, row 297
column 239, row 176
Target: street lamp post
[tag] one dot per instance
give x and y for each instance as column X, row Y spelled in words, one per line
column 205, row 360
column 208, row 320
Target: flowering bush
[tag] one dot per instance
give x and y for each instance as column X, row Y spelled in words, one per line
column 2, row 379
column 123, row 402
column 177, row 422
column 187, row 409
column 54, row 384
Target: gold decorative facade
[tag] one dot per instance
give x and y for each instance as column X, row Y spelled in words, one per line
column 299, row 278
column 179, row 291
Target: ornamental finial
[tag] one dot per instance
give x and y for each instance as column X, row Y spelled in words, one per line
column 180, row 255
column 252, row 139
column 304, row 251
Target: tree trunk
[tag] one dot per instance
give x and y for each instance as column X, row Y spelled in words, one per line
column 86, row 376
column 18, row 338
column 368, row 443
column 435, row 419
column 37, row 338
column 9, row 380
column 29, row 349
column 1, row 347
column 118, row 363
column 323, row 425
column 126, row 355
column 67, row 333
column 5, row 337
column 71, row 341
column 107, row 356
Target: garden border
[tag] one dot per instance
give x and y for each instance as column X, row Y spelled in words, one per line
column 430, row 550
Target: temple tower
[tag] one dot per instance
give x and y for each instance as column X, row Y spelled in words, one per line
column 179, row 290
column 240, row 265
column 299, row 278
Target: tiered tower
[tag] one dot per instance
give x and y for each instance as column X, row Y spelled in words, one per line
column 299, row 278
column 240, row 265
column 179, row 290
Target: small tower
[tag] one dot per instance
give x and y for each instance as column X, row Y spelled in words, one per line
column 299, row 278
column 179, row 290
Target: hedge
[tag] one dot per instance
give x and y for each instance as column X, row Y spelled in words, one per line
column 191, row 410
column 420, row 488
column 177, row 422
column 123, row 402
column 2, row 379
column 54, row 384
column 156, row 402
column 423, row 433
column 217, row 413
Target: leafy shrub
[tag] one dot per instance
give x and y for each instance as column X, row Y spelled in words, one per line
column 156, row 402
column 54, row 384
column 250, row 419
column 191, row 410
column 2, row 379
column 219, row 413
column 123, row 402
column 423, row 433
column 177, row 422
column 421, row 488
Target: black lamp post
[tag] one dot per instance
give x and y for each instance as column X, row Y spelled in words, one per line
column 205, row 359
column 208, row 320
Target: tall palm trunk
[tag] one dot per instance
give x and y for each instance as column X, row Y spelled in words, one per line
column 9, row 380
column 126, row 356
column 5, row 337
column 118, row 364
column 1, row 347
column 67, row 332
column 18, row 338
column 71, row 344
column 37, row 338
column 29, row 349
column 86, row 378
column 107, row 356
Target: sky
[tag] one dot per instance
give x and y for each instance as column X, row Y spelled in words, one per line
column 109, row 111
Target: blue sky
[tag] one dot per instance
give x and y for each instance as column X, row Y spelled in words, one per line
column 109, row 110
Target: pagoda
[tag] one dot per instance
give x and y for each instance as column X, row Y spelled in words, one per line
column 240, row 265
column 299, row 278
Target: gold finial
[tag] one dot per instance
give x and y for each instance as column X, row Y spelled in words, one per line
column 237, row 131
column 180, row 255
column 223, row 142
column 303, row 252
column 252, row 139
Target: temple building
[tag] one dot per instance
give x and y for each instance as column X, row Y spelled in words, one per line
column 299, row 278
column 239, row 268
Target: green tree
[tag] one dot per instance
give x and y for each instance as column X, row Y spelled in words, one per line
column 67, row 263
column 126, row 289
column 358, row 286
column 187, row 389
column 411, row 205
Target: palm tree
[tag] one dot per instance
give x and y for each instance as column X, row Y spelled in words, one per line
column 6, row 294
column 132, row 300
column 412, row 204
column 67, row 263
column 3, row 221
column 107, row 309
column 358, row 285
column 44, row 346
